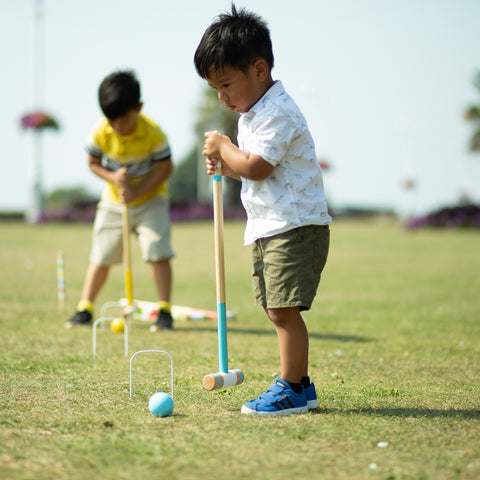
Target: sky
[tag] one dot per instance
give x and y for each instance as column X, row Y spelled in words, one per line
column 383, row 85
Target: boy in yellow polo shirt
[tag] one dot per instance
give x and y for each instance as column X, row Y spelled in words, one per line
column 131, row 153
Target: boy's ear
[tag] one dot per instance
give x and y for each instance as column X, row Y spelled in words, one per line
column 261, row 69
column 140, row 106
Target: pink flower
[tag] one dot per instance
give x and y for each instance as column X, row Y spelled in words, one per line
column 38, row 121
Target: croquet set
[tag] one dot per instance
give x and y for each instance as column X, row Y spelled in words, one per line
column 147, row 311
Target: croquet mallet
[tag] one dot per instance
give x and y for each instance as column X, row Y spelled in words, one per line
column 225, row 377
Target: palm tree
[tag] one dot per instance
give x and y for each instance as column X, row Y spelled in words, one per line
column 472, row 114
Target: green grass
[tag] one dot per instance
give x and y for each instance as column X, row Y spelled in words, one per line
column 394, row 353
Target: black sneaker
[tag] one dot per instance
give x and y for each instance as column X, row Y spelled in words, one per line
column 164, row 322
column 83, row 317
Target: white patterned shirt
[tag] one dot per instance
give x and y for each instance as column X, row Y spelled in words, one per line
column 292, row 196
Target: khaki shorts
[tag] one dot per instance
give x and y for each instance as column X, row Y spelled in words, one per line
column 287, row 267
column 150, row 222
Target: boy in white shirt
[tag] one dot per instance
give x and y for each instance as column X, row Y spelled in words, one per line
column 282, row 192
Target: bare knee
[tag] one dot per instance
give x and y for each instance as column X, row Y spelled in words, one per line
column 281, row 317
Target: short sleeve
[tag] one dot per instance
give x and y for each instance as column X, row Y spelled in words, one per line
column 160, row 147
column 94, row 140
column 272, row 136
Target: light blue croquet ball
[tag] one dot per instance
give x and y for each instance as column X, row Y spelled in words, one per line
column 160, row 404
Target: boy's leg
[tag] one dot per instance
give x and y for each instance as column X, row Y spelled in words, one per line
column 287, row 395
column 106, row 251
column 94, row 280
column 162, row 276
column 292, row 342
column 278, row 264
column 153, row 231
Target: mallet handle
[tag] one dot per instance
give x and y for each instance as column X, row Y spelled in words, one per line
column 127, row 264
column 218, row 232
column 220, row 268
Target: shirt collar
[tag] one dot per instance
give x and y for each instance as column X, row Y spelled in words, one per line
column 138, row 131
column 274, row 91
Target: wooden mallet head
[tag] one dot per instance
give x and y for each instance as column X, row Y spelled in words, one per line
column 216, row 381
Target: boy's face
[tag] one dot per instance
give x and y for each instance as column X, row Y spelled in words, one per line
column 125, row 124
column 238, row 90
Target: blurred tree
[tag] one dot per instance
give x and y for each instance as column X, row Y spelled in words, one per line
column 212, row 115
column 189, row 181
column 182, row 185
column 472, row 114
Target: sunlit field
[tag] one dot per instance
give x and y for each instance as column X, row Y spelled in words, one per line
column 394, row 354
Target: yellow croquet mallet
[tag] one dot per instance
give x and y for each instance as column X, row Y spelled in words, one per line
column 127, row 264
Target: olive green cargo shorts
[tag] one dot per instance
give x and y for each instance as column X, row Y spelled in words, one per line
column 287, row 267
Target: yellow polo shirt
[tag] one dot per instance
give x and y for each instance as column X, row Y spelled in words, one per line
column 138, row 152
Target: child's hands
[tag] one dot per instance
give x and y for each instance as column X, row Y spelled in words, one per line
column 121, row 178
column 213, row 144
column 211, row 149
column 127, row 195
column 211, row 164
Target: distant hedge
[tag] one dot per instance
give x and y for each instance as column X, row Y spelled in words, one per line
column 462, row 216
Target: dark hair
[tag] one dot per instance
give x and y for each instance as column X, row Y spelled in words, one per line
column 234, row 39
column 119, row 93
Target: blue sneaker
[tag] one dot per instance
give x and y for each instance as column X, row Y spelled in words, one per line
column 311, row 395
column 279, row 399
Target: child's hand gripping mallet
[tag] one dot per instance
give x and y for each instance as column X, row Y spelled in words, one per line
column 127, row 265
column 225, row 377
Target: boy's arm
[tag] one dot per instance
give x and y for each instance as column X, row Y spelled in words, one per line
column 242, row 164
column 159, row 174
column 120, row 177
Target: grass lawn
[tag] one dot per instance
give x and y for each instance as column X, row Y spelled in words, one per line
column 394, row 353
